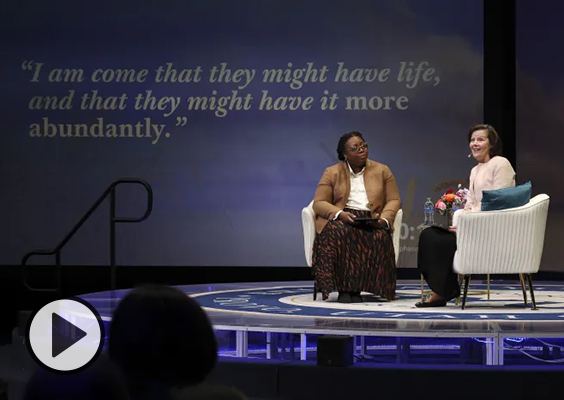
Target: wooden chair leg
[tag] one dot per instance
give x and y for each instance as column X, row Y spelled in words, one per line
column 314, row 291
column 530, row 279
column 460, row 281
column 488, row 287
column 466, row 284
column 523, row 287
column 422, row 288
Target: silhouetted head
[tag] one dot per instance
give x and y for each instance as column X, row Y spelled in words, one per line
column 159, row 334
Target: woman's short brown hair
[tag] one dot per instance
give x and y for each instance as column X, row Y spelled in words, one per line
column 493, row 137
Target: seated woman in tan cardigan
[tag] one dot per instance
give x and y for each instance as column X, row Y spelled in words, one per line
column 351, row 256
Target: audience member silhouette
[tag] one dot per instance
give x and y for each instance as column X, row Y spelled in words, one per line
column 165, row 345
column 100, row 381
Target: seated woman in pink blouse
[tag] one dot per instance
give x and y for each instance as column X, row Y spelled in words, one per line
column 437, row 246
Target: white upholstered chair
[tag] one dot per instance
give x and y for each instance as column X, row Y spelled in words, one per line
column 508, row 241
column 308, row 223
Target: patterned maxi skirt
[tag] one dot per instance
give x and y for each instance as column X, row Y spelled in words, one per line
column 348, row 258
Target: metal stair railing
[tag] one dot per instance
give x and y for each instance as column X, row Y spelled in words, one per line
column 111, row 192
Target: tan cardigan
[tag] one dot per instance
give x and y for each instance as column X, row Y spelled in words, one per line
column 334, row 188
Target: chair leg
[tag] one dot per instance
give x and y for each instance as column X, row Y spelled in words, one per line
column 466, row 284
column 422, row 286
column 488, row 287
column 314, row 291
column 523, row 287
column 530, row 279
column 460, row 281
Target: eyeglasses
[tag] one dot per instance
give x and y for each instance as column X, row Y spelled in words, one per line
column 358, row 149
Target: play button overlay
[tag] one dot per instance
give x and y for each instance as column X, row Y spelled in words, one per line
column 60, row 341
column 65, row 336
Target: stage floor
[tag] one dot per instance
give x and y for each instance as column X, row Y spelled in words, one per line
column 289, row 308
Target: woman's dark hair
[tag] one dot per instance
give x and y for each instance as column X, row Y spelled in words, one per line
column 493, row 137
column 159, row 334
column 343, row 140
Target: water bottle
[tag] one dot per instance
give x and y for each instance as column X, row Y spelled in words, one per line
column 429, row 210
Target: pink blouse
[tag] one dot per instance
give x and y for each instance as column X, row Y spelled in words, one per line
column 497, row 173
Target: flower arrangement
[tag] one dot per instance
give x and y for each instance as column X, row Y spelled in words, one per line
column 451, row 201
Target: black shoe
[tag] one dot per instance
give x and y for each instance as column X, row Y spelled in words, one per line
column 435, row 303
column 356, row 297
column 344, row 297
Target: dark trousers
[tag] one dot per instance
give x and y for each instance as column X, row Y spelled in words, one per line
column 434, row 260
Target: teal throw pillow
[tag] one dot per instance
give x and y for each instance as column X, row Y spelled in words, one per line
column 502, row 199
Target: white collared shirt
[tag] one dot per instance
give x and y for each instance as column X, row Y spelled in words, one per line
column 358, row 199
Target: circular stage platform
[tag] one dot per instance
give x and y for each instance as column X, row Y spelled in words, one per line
column 289, row 308
column 505, row 304
column 295, row 300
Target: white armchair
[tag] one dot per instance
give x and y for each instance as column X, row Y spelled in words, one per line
column 501, row 242
column 308, row 223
